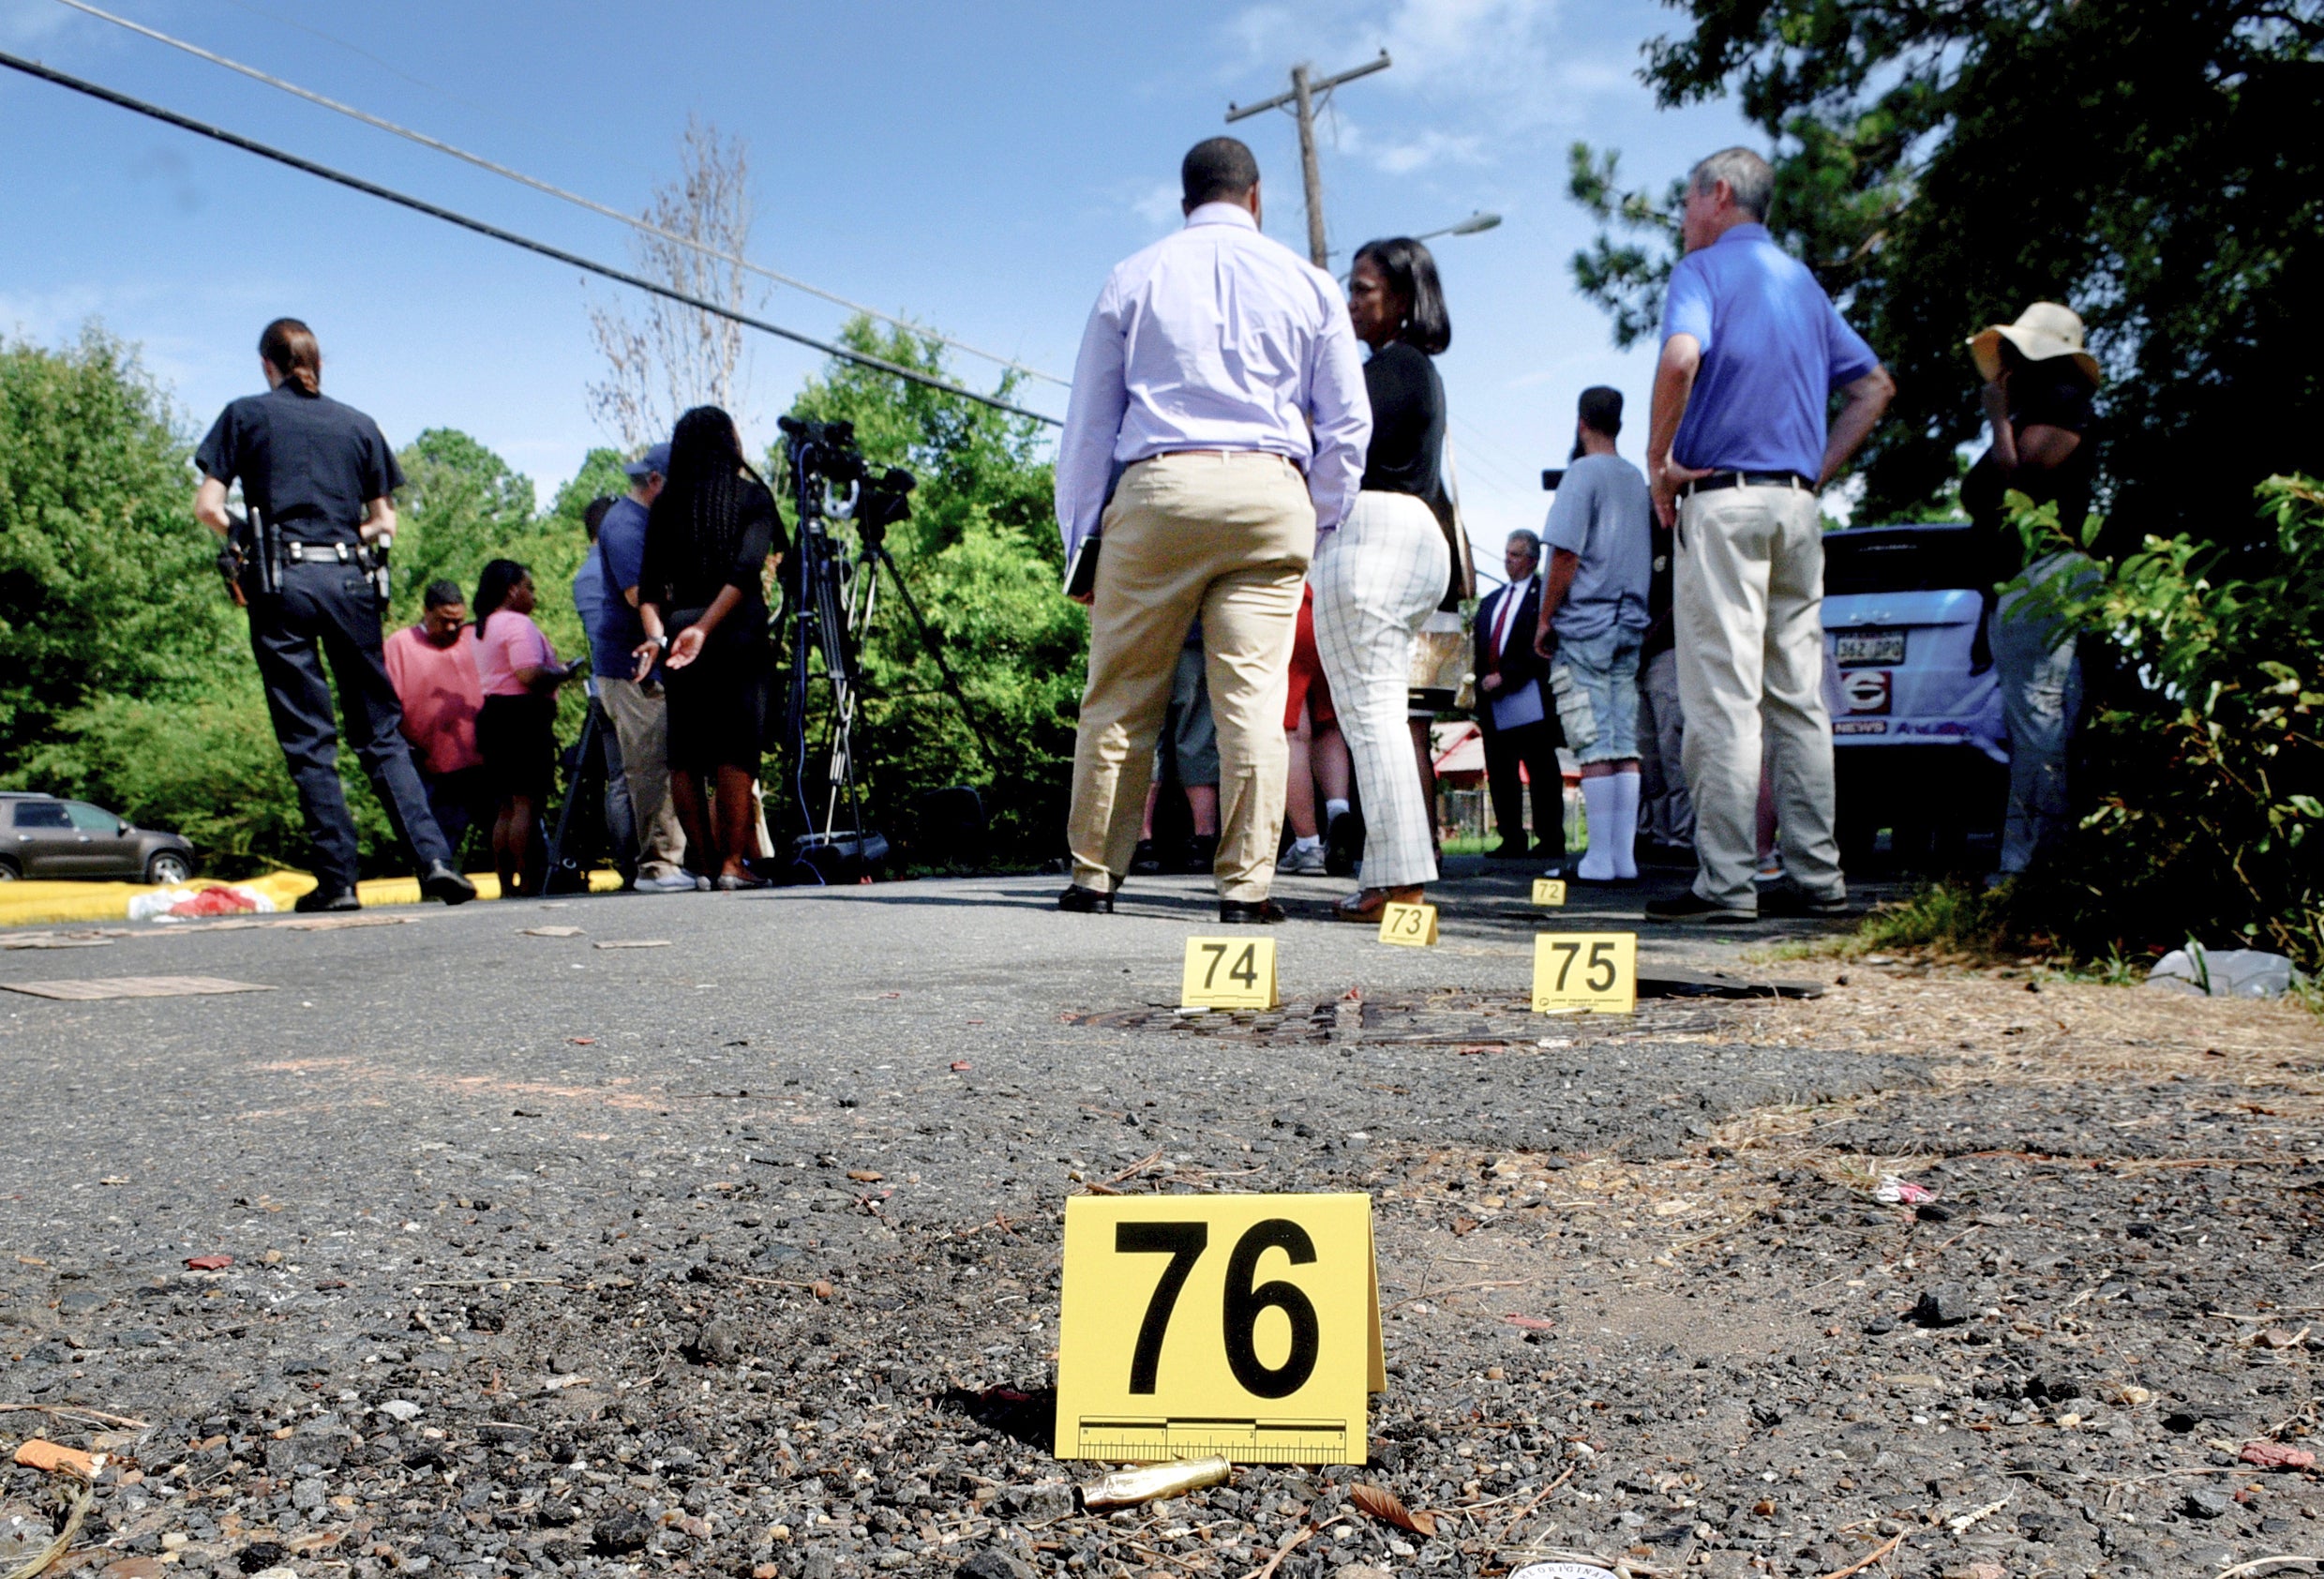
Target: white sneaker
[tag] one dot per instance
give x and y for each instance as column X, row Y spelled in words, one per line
column 1306, row 861
column 678, row 882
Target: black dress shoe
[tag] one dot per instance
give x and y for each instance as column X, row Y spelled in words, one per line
column 1343, row 844
column 1691, row 906
column 1084, row 901
column 1788, row 899
column 1146, row 860
column 1507, row 850
column 1250, row 912
column 442, row 881
column 316, row 899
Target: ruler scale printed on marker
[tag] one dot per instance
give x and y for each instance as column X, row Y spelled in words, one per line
column 1246, row 1327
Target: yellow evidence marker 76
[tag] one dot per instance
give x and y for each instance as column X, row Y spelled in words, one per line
column 1244, row 1325
column 1584, row 973
column 1229, row 973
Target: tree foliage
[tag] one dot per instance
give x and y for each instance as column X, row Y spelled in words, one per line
column 105, row 587
column 1940, row 166
column 2205, row 739
column 982, row 558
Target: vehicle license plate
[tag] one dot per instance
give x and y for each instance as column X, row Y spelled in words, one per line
column 1871, row 647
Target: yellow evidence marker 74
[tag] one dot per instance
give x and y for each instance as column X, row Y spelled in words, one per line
column 1229, row 973
column 1413, row 925
column 1584, row 973
column 1242, row 1326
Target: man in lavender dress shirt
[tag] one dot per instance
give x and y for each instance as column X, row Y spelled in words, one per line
column 1219, row 373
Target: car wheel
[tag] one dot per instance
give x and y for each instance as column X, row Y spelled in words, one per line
column 9, row 872
column 168, row 870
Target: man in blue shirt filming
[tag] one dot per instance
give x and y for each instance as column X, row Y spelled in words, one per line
column 1736, row 458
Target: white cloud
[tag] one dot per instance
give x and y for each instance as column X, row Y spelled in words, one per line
column 1480, row 75
column 1157, row 204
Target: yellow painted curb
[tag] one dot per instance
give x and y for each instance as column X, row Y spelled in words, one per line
column 38, row 904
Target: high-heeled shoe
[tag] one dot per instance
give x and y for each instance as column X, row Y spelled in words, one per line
column 1366, row 905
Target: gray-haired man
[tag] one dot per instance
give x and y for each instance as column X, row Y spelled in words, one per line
column 1736, row 457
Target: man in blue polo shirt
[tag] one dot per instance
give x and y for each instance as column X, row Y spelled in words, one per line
column 640, row 712
column 1736, row 457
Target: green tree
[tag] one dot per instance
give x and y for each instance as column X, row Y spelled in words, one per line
column 981, row 557
column 2206, row 740
column 107, row 587
column 1940, row 166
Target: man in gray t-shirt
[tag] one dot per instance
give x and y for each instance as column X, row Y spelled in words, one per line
column 1592, row 623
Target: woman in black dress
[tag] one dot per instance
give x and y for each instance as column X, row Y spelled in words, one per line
column 702, row 601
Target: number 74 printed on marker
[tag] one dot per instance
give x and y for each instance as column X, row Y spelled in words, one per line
column 1229, row 973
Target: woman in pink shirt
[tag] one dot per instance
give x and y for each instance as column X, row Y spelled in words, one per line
column 517, row 729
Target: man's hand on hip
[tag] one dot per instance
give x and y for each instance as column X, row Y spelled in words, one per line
column 1667, row 479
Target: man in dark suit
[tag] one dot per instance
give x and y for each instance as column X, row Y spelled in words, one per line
column 1519, row 729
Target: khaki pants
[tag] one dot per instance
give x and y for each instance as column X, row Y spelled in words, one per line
column 1749, row 604
column 641, row 724
column 1227, row 537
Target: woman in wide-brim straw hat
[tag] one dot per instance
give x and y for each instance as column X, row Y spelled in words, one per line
column 2039, row 387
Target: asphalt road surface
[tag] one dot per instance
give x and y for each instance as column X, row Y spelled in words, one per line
column 720, row 1232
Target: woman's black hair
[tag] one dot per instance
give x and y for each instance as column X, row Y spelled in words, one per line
column 696, row 525
column 1411, row 273
column 492, row 589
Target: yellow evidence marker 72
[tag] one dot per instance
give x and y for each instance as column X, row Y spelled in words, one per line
column 1548, row 892
column 1584, row 973
column 1413, row 925
column 1229, row 973
column 1244, row 1325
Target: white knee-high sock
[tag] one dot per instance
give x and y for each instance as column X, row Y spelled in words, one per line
column 1599, row 802
column 1625, row 832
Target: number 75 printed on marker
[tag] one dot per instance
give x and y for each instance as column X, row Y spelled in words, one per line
column 1585, row 973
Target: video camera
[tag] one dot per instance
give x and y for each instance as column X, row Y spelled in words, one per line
column 826, row 454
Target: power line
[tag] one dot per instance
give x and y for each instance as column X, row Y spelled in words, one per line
column 574, row 260
column 518, row 176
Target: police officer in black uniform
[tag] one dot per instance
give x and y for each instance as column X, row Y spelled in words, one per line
column 320, row 474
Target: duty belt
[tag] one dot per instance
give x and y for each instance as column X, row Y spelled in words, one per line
column 1745, row 479
column 311, row 554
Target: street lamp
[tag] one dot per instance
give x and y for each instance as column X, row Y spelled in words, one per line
column 1479, row 220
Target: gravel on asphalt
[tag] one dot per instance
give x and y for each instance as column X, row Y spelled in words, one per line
column 711, row 1258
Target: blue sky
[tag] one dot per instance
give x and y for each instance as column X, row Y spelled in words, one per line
column 975, row 166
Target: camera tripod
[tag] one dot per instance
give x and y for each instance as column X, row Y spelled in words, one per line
column 831, row 601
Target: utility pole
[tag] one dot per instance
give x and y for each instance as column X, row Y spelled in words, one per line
column 1305, row 95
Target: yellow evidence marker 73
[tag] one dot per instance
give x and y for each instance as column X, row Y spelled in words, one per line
column 1243, row 1326
column 1584, row 973
column 1413, row 925
column 1229, row 973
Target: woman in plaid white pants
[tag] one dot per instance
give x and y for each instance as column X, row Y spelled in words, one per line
column 1383, row 573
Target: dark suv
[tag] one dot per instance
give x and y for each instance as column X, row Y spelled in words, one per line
column 42, row 836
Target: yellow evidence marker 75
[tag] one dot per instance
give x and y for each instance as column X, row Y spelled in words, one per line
column 1229, row 973
column 1244, row 1325
column 1585, row 973
column 1413, row 925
